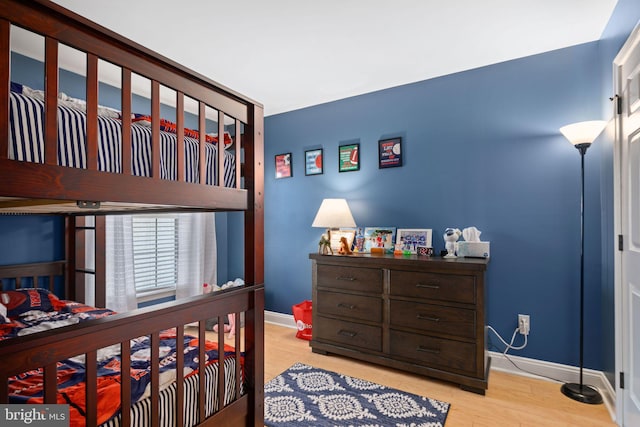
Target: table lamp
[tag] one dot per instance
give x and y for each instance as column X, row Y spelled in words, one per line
column 333, row 214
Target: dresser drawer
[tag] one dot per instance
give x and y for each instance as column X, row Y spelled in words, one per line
column 348, row 333
column 437, row 286
column 433, row 351
column 433, row 318
column 347, row 305
column 351, row 278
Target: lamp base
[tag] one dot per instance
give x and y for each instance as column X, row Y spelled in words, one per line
column 581, row 393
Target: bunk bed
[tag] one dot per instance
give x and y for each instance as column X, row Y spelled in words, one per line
column 227, row 391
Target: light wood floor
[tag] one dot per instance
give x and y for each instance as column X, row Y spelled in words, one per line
column 511, row 400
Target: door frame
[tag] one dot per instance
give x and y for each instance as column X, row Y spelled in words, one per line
column 620, row 357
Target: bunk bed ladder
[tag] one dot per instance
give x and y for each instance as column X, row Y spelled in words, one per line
column 86, row 267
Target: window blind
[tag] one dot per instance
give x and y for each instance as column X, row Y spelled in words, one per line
column 155, row 252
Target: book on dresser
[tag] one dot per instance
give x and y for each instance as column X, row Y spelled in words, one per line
column 425, row 315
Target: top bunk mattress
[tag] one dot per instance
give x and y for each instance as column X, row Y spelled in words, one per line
column 26, row 142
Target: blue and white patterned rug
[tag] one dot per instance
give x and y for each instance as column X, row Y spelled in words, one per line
column 307, row 396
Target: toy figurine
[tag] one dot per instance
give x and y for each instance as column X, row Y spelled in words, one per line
column 324, row 246
column 451, row 236
column 344, row 247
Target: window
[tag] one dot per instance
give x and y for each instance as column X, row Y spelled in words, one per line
column 155, row 252
column 153, row 257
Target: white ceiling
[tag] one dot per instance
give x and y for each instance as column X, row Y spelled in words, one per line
column 290, row 54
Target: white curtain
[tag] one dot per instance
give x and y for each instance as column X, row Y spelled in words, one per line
column 197, row 258
column 197, row 253
column 121, row 290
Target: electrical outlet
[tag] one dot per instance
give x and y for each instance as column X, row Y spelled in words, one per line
column 524, row 324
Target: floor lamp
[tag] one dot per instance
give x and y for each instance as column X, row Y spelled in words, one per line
column 581, row 135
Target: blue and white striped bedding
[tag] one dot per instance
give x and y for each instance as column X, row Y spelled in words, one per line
column 26, row 134
column 141, row 410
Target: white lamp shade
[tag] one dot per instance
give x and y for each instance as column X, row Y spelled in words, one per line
column 583, row 132
column 334, row 213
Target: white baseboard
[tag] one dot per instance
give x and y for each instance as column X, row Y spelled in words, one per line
column 556, row 372
column 532, row 368
column 279, row 319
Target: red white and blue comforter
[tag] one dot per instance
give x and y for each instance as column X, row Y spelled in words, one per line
column 28, row 387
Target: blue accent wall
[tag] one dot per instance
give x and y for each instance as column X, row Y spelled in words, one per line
column 235, row 245
column 230, row 237
column 31, row 239
column 481, row 148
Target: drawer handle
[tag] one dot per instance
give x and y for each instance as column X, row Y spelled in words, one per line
column 428, row 286
column 345, row 305
column 349, row 279
column 430, row 318
column 428, row 350
column 349, row 334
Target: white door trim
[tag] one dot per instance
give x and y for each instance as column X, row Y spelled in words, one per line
column 618, row 86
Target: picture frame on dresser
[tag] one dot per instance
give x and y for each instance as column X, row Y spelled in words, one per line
column 379, row 239
column 336, row 235
column 410, row 239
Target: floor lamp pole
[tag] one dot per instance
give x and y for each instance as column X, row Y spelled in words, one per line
column 580, row 392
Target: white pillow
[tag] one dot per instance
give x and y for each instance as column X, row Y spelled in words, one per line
column 79, row 104
column 33, row 93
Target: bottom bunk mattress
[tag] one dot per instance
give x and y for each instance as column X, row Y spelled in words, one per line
column 32, row 310
column 141, row 410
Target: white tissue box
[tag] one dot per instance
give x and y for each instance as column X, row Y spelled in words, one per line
column 474, row 249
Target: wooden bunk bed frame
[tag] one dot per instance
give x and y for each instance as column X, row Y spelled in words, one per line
column 46, row 188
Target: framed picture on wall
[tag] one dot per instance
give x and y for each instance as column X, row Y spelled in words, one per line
column 348, row 157
column 410, row 239
column 313, row 162
column 390, row 153
column 283, row 166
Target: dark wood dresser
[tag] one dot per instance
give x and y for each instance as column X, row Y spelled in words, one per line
column 420, row 314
